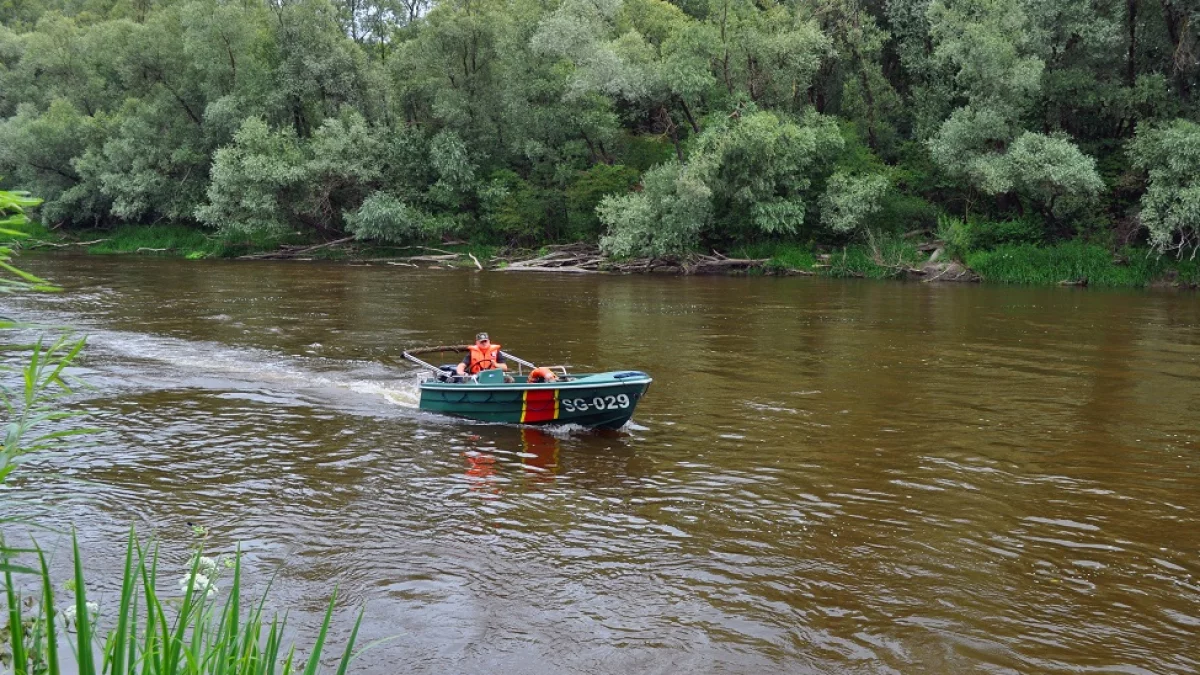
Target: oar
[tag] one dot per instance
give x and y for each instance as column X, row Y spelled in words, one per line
column 518, row 360
column 529, row 365
column 419, row 362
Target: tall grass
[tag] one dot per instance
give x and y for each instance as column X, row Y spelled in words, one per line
column 780, row 255
column 176, row 241
column 1078, row 262
column 882, row 257
column 31, row 406
column 149, row 634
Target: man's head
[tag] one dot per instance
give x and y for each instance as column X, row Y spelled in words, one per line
column 482, row 339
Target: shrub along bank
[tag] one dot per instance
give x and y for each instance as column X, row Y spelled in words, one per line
column 885, row 257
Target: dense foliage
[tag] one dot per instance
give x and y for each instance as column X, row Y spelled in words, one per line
column 651, row 126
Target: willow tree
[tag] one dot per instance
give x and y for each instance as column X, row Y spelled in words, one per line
column 645, row 54
column 751, row 175
column 991, row 47
column 865, row 93
column 1170, row 154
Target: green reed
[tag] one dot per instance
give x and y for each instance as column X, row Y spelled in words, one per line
column 148, row 633
column 1079, row 262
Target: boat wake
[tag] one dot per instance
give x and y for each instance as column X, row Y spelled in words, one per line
column 118, row 359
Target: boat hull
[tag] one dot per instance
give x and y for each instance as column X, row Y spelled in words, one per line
column 602, row 401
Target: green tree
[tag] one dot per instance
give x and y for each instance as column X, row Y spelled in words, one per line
column 667, row 217
column 849, row 200
column 38, row 150
column 1170, row 155
column 866, row 95
column 752, row 175
column 255, row 180
column 992, row 49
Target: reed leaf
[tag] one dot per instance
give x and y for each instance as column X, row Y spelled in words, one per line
column 83, row 618
column 49, row 613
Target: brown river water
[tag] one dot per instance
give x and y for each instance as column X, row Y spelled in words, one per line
column 825, row 477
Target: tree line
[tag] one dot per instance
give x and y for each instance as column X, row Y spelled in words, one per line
column 653, row 127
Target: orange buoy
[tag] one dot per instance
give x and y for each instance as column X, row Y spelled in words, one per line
column 542, row 375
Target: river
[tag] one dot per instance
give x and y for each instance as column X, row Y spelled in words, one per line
column 825, row 477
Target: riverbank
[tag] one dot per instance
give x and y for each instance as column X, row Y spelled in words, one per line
column 1072, row 263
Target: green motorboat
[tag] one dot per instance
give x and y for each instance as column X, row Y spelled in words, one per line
column 598, row 400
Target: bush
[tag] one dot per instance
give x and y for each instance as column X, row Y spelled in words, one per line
column 850, row 200
column 585, row 193
column 516, row 209
column 978, row 234
column 751, row 175
column 645, row 152
column 1075, row 261
column 666, row 217
column 385, row 217
column 900, row 213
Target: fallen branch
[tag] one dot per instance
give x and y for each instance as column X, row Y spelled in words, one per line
column 477, row 263
column 572, row 269
column 433, row 258
column 286, row 252
column 39, row 242
column 429, row 248
column 327, row 244
column 939, row 274
column 151, row 250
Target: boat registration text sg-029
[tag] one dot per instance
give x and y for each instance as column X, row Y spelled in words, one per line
column 597, row 403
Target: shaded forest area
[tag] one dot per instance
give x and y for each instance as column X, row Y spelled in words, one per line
column 650, row 127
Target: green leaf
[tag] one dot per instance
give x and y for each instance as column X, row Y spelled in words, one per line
column 83, row 619
column 314, row 659
column 49, row 612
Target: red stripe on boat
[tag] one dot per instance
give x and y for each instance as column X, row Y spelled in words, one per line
column 539, row 405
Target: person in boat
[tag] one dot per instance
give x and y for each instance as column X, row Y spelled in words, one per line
column 483, row 355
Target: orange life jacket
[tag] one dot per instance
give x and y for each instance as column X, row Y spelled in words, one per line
column 481, row 360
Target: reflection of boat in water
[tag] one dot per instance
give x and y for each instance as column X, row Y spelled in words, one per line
column 539, row 453
column 598, row 400
column 539, row 458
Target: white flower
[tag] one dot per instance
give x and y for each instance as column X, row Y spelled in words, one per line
column 198, row 582
column 69, row 613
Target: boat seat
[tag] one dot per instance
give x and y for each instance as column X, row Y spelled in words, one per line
column 495, row 376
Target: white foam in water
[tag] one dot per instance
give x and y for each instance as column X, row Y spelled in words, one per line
column 403, row 392
column 205, row 360
column 564, row 431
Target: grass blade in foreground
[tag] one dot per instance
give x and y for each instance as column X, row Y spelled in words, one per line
column 145, row 639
